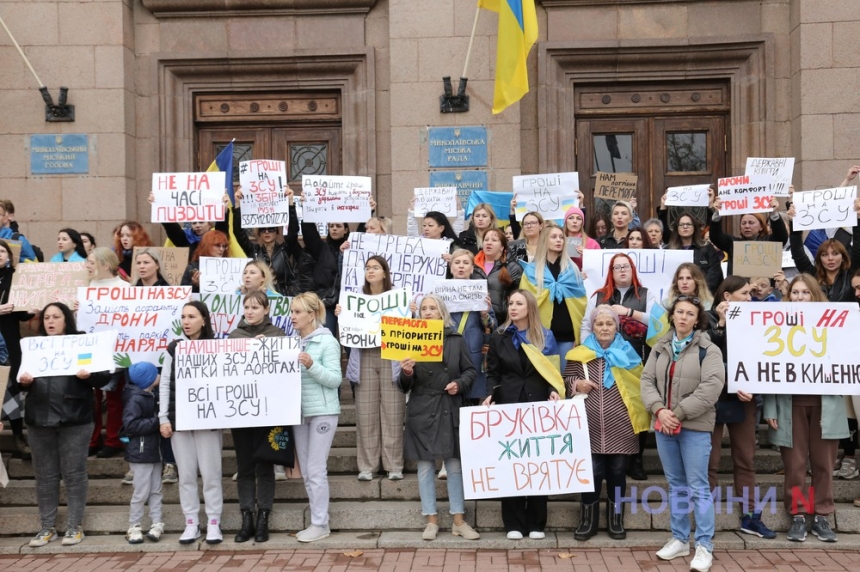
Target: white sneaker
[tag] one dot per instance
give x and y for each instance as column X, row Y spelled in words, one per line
column 213, row 533
column 191, row 533
column 280, row 473
column 443, row 473
column 313, row 533
column 155, row 531
column 235, row 477
column 702, row 560
column 365, row 476
column 134, row 534
column 515, row 535
column 537, row 535
column 673, row 549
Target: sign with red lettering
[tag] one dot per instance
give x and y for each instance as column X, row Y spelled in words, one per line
column 744, row 194
column 335, row 199
column 360, row 318
column 34, row 286
column 264, row 203
column 525, row 449
column 188, row 197
column 414, row 338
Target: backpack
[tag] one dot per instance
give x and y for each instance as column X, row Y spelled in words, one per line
column 40, row 256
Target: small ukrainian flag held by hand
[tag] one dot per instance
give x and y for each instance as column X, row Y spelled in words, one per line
column 658, row 324
column 85, row 359
column 518, row 31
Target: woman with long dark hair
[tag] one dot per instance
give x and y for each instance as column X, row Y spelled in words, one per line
column 688, row 234
column 70, row 247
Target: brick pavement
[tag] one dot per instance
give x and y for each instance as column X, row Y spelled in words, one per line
column 431, row 560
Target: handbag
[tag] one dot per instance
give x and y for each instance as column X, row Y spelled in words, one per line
column 730, row 411
column 274, row 445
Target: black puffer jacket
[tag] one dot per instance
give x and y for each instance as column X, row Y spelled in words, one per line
column 62, row 400
column 140, row 425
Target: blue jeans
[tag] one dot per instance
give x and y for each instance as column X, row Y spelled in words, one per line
column 563, row 348
column 427, row 486
column 685, row 461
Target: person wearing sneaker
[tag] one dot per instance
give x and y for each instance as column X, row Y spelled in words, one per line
column 196, row 449
column 522, row 368
column 59, row 417
column 436, row 392
column 607, row 369
column 681, row 384
column 140, row 427
column 737, row 411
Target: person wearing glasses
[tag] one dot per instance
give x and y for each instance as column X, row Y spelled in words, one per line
column 214, row 244
column 680, row 386
column 525, row 248
column 687, row 234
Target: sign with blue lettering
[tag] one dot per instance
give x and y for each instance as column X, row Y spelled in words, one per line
column 59, row 154
column 465, row 181
column 457, row 147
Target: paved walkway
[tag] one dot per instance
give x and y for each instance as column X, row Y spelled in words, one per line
column 429, row 560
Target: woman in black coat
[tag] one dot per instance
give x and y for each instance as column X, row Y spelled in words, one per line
column 687, row 234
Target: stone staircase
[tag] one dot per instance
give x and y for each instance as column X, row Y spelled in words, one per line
column 387, row 514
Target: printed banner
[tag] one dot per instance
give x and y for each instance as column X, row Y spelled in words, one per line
column 415, row 263
column 35, row 285
column 174, row 261
column 463, row 295
column 336, row 199
column 793, row 348
column 655, row 268
column 44, row 356
column 226, row 311
column 757, row 258
column 242, row 382
column 188, row 197
column 526, row 449
column 147, row 318
column 550, row 195
column 615, row 186
column 221, row 275
column 687, row 196
column 745, row 194
column 413, row 338
column 360, row 316
column 827, row 208
column 264, row 203
column 439, row 199
column 779, row 170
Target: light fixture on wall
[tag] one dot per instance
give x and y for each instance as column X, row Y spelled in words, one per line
column 450, row 103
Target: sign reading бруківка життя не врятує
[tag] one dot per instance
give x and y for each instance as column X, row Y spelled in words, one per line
column 457, row 147
column 59, row 154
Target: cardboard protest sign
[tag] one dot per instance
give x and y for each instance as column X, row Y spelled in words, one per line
column 793, row 348
column 440, row 199
column 573, row 245
column 744, row 194
column 240, row 382
column 550, row 195
column 757, row 258
column 414, row 338
column 264, row 203
column 655, row 268
column 335, row 199
column 44, row 356
column 687, row 196
column 615, row 186
column 35, row 285
column 779, row 170
column 826, row 208
column 188, row 197
column 226, row 310
column 221, row 275
column 526, row 449
column 463, row 295
column 147, row 318
column 359, row 322
column 174, row 261
column 415, row 263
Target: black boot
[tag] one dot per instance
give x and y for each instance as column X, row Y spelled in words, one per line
column 637, row 468
column 615, row 520
column 262, row 525
column 247, row 531
column 588, row 521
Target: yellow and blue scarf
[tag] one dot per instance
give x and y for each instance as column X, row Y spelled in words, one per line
column 569, row 287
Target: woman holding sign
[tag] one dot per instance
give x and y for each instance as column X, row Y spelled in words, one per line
column 807, row 428
column 59, row 417
column 754, row 226
column 522, row 367
column 688, row 235
column 213, row 244
column 436, row 391
column 525, row 249
column 574, row 227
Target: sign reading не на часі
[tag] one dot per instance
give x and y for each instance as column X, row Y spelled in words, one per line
column 59, row 154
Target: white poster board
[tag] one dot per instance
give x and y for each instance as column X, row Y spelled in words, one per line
column 45, row 356
column 221, row 275
column 188, row 197
column 654, row 267
column 335, row 199
column 793, row 348
column 687, row 196
column 463, row 295
column 226, row 311
column 779, row 169
column 264, row 203
column 439, row 199
column 359, row 322
column 744, row 194
column 550, row 195
column 241, row 382
column 525, row 449
column 825, row 208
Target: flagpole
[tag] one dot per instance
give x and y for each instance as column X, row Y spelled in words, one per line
column 471, row 41
column 26, row 61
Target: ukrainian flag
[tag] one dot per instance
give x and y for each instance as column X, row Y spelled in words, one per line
column 85, row 359
column 518, row 31
column 658, row 324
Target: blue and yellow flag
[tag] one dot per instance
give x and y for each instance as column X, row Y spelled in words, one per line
column 547, row 366
column 658, row 324
column 569, row 287
column 85, row 359
column 518, row 31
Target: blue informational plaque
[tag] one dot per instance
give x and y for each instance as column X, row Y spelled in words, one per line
column 465, row 181
column 457, row 147
column 60, row 154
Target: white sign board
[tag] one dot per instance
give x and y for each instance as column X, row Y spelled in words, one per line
column 744, row 194
column 463, row 295
column 264, row 203
column 188, row 197
column 221, row 275
column 550, row 195
column 655, row 268
column 226, row 311
column 688, row 196
column 793, row 348
column 779, row 169
column 439, row 199
column 359, row 321
column 45, row 356
column 335, row 199
column 826, row 208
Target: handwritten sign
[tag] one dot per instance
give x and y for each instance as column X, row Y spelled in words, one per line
column 414, row 338
column 264, row 203
column 779, row 170
column 744, row 194
column 415, row 263
column 34, row 286
column 174, row 260
column 241, row 382
column 826, row 208
column 226, row 311
column 573, row 245
column 688, row 196
column 360, row 318
column 336, row 199
column 615, row 186
column 221, row 275
column 793, row 348
column 44, row 356
column 188, row 197
column 463, row 295
column 757, row 258
column 526, row 449
column 148, row 318
column 550, row 195
column 655, row 268
column 439, row 199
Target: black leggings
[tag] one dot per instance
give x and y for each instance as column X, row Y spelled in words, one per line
column 849, row 444
column 612, row 469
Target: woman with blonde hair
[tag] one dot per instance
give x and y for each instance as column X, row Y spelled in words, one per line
column 148, row 265
column 622, row 216
column 483, row 219
column 689, row 281
column 257, row 277
column 524, row 249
